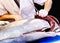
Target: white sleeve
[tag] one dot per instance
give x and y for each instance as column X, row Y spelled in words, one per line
column 40, row 2
column 2, row 10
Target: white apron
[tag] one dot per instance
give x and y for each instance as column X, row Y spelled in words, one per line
column 19, row 28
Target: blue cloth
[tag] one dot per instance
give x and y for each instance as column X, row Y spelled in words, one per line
column 55, row 39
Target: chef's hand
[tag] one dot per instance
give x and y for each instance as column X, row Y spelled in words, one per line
column 43, row 13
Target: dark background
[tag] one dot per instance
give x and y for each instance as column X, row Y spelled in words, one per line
column 55, row 10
